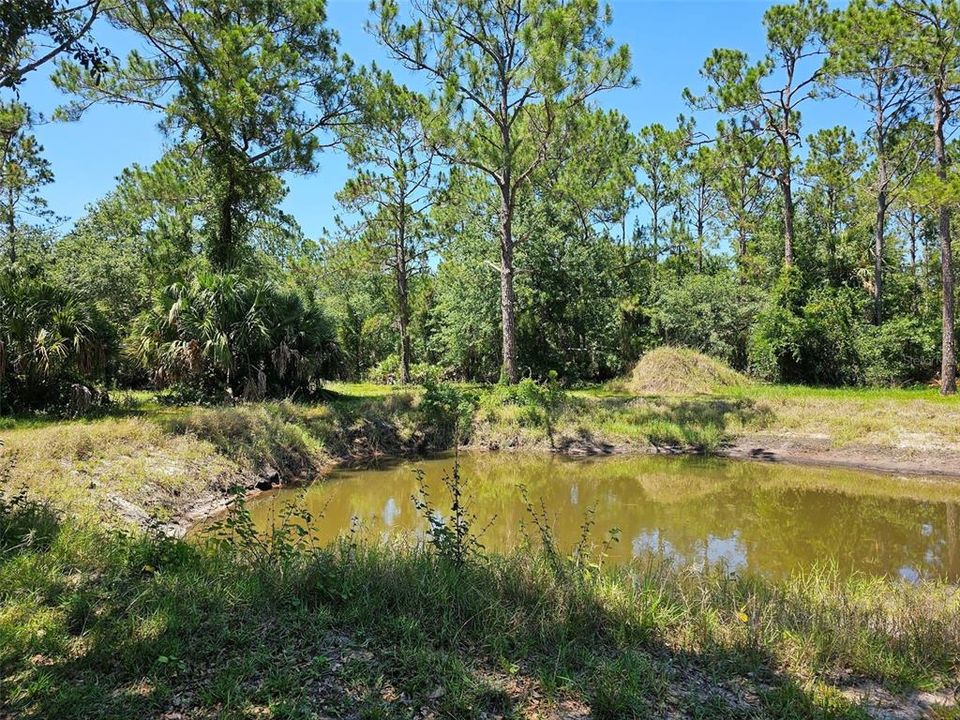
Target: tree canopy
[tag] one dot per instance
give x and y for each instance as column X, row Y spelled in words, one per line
column 501, row 218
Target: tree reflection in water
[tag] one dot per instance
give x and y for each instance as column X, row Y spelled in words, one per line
column 771, row 519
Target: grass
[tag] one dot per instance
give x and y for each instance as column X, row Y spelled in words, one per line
column 96, row 623
column 99, row 619
column 901, row 424
column 597, row 421
column 149, row 463
column 681, row 371
column 107, row 467
column 914, row 421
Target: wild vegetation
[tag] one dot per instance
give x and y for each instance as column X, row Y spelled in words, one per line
column 486, row 231
column 512, row 265
column 103, row 614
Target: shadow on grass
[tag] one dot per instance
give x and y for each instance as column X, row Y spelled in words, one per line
column 95, row 624
column 683, row 423
column 297, row 439
column 25, row 420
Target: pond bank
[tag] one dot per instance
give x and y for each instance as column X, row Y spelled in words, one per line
column 167, row 467
column 799, row 450
column 749, row 449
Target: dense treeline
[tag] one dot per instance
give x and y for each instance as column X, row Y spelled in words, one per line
column 498, row 222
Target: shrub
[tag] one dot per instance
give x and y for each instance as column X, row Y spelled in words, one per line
column 453, row 532
column 807, row 338
column 228, row 333
column 54, row 347
column 387, row 371
column 539, row 403
column 708, row 313
column 446, row 409
column 828, row 343
column 902, row 351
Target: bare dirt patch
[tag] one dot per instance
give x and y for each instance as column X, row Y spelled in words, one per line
column 812, row 450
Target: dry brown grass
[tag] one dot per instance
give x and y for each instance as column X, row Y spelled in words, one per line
column 680, row 371
column 113, row 468
column 909, row 424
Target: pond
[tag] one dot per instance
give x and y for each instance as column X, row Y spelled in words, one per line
column 766, row 518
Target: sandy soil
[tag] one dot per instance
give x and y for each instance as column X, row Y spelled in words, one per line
column 904, row 459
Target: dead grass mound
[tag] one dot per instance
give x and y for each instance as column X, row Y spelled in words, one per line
column 680, row 371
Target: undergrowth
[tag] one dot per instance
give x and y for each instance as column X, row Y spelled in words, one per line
column 99, row 623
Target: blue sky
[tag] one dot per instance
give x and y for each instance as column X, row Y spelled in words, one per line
column 669, row 40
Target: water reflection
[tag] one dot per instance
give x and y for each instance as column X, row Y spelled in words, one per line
column 391, row 511
column 771, row 519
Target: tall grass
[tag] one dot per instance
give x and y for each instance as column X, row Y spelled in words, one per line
column 98, row 624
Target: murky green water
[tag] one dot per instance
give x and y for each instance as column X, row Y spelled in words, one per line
column 771, row 519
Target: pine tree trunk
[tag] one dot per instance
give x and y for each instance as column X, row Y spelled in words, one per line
column 786, row 187
column 222, row 250
column 403, row 303
column 913, row 246
column 507, row 296
column 700, row 244
column 11, row 228
column 948, row 356
column 878, row 233
column 879, row 229
column 655, row 232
